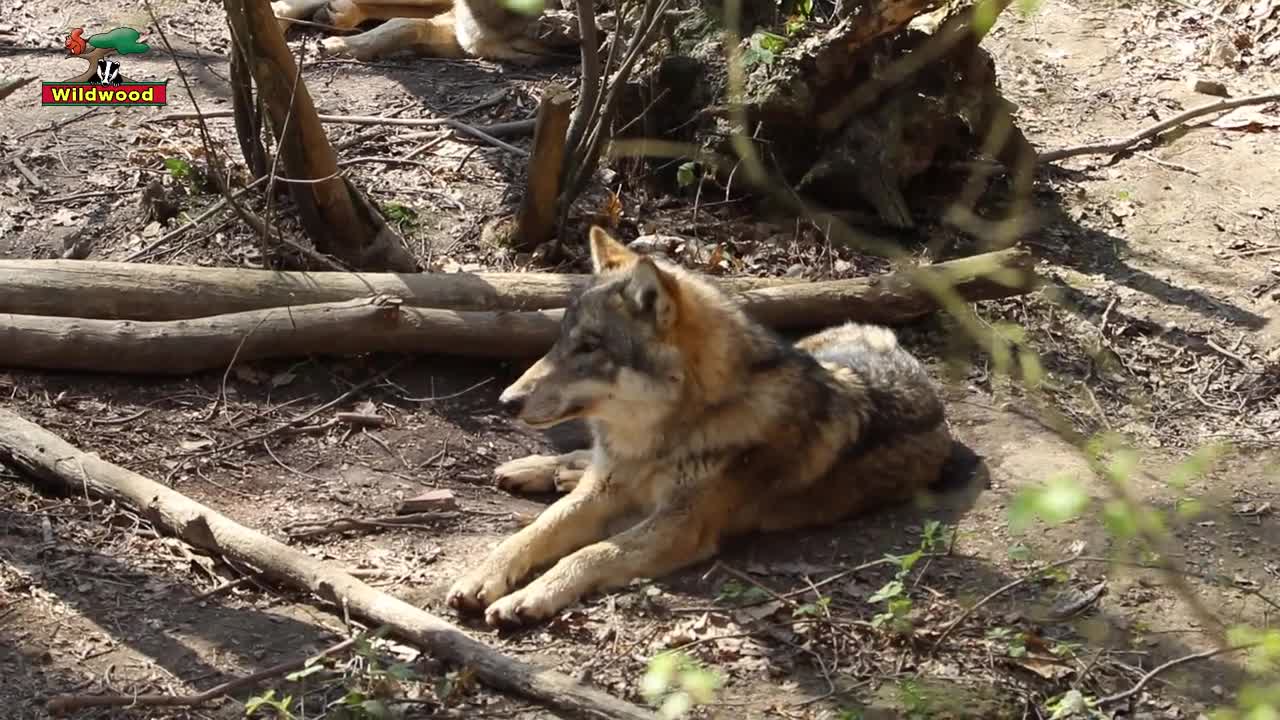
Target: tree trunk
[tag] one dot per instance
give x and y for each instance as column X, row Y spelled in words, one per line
column 539, row 211
column 336, row 216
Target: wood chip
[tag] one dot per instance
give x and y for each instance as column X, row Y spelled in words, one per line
column 430, row 501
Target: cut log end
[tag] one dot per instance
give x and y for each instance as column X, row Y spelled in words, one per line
column 536, row 222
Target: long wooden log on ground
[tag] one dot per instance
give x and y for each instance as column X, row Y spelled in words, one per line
column 57, row 464
column 132, row 291
column 384, row 324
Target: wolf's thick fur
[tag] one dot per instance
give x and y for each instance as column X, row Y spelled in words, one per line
column 706, row 423
column 436, row 28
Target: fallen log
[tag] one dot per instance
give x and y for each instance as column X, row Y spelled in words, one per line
column 56, row 464
column 385, row 324
column 181, row 347
column 132, row 291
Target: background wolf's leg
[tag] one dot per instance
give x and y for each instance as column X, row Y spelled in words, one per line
column 286, row 10
column 665, row 542
column 543, row 473
column 579, row 518
column 431, row 36
column 521, row 50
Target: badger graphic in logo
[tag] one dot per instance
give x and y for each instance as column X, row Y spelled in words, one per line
column 108, row 72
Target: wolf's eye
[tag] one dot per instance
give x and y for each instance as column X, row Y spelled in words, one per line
column 587, row 344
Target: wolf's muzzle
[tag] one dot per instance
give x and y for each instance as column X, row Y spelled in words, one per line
column 512, row 404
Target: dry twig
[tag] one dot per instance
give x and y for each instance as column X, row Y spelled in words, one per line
column 946, row 631
column 412, row 521
column 68, row 703
column 1115, row 146
column 1137, row 687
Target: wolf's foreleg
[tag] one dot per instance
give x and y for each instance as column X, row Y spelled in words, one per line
column 666, row 541
column 579, row 518
column 543, row 473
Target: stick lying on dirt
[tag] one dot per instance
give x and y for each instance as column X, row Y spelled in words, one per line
column 414, row 521
column 128, row 291
column 8, row 85
column 54, row 463
column 1115, row 146
column 59, row 704
column 384, row 324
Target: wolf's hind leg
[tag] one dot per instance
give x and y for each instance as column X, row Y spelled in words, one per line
column 432, row 37
column 667, row 541
column 543, row 473
column 579, row 518
column 288, row 10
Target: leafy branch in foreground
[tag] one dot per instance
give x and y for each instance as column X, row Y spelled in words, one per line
column 675, row 683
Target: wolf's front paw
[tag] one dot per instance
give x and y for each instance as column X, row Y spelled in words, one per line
column 543, row 473
column 335, row 45
column 523, row 607
column 477, row 590
column 531, row 474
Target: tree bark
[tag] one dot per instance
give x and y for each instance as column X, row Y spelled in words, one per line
column 539, row 210
column 384, row 324
column 56, row 464
column 135, row 291
column 245, row 109
column 93, row 58
column 132, row 291
column 181, row 347
column 336, row 216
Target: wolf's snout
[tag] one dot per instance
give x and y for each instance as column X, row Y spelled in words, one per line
column 512, row 403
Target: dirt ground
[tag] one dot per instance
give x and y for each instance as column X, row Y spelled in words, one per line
column 1164, row 263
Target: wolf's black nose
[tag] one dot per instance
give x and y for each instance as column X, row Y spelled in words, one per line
column 512, row 405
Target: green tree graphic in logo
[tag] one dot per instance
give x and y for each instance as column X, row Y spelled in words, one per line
column 120, row 41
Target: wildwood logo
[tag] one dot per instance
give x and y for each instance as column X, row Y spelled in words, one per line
column 102, row 83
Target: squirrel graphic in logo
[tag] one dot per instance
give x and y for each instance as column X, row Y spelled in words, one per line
column 97, row 49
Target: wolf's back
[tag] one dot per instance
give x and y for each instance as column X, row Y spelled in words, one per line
column 898, row 389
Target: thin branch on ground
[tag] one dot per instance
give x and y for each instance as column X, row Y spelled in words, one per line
column 332, row 119
column 208, row 213
column 30, row 176
column 1116, row 146
column 59, row 124
column 482, row 135
column 68, row 703
column 9, row 85
column 1137, row 687
column 356, row 389
column 946, row 631
column 411, row 521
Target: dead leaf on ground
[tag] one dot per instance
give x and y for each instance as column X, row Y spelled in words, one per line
column 1047, row 668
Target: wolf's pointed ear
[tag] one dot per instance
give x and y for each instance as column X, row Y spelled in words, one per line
column 606, row 253
column 652, row 292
